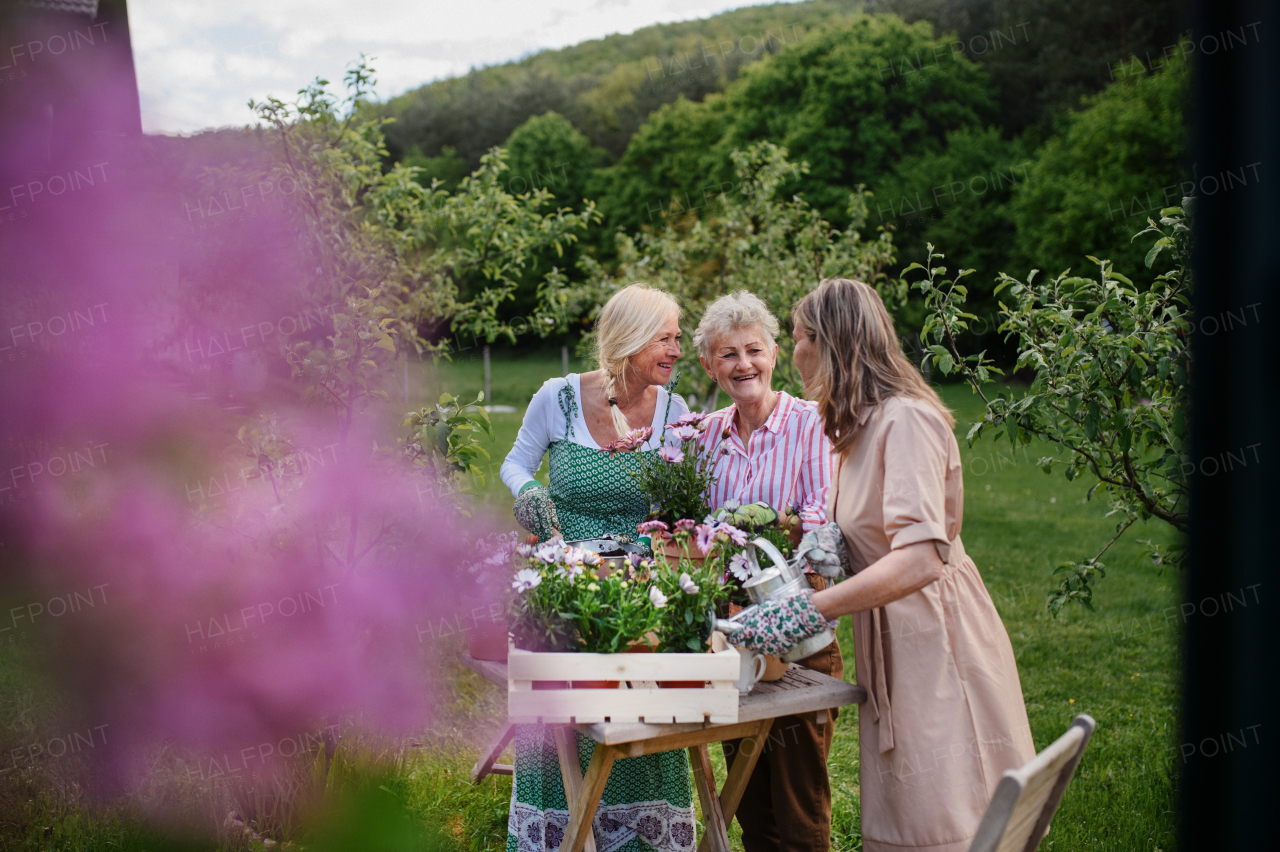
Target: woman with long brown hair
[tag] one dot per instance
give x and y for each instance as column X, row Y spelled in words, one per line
column 945, row 715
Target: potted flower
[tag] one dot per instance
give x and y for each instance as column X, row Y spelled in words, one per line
column 487, row 573
column 686, row 592
column 561, row 601
column 674, row 480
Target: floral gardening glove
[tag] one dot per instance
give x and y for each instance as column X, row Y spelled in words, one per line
column 535, row 512
column 823, row 549
column 775, row 627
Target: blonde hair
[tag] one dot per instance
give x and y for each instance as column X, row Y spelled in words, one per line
column 629, row 322
column 729, row 313
column 860, row 360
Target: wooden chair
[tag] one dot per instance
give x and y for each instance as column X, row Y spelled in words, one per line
column 1025, row 800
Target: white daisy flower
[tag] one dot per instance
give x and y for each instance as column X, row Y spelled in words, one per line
column 526, row 579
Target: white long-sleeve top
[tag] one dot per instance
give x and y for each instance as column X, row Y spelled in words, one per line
column 545, row 423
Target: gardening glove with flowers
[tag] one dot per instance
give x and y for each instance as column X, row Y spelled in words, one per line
column 776, row 626
column 823, row 550
column 535, row 511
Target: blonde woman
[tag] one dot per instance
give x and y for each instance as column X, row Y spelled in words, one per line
column 648, row 802
column 945, row 716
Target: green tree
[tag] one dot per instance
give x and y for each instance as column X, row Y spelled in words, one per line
column 1112, row 382
column 605, row 87
column 957, row 197
column 1114, row 164
column 547, row 154
column 1044, row 55
column 671, row 163
column 393, row 263
column 448, row 168
column 852, row 101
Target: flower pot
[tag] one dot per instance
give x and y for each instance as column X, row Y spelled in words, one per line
column 681, row 684
column 774, row 668
column 543, row 685
column 486, row 635
column 675, row 552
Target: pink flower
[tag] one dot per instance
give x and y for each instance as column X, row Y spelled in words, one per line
column 711, row 534
column 739, row 537
column 652, row 527
column 685, row 524
column 706, row 537
column 672, row 455
column 633, row 440
column 691, row 418
column 684, row 433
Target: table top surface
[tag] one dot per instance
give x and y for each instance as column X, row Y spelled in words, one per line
column 799, row 691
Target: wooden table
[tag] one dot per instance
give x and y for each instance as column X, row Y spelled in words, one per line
column 799, row 691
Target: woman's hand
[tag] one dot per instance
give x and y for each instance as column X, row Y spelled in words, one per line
column 823, row 549
column 776, row 626
column 535, row 511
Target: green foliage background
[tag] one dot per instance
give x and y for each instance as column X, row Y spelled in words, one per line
column 1010, row 134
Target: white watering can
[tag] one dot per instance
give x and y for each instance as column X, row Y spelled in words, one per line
column 782, row 580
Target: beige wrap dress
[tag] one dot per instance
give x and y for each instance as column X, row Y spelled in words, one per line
column 945, row 714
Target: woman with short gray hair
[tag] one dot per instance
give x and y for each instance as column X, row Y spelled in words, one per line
column 770, row 448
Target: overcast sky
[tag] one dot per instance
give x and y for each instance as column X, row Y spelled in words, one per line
column 199, row 63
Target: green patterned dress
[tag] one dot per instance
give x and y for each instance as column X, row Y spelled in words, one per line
column 648, row 802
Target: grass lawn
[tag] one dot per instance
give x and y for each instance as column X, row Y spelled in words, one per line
column 1118, row 664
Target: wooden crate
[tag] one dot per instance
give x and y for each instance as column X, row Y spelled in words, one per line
column 638, row 700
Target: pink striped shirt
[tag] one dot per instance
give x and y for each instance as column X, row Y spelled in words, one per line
column 787, row 461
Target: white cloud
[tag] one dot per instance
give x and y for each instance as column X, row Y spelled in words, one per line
column 200, row 63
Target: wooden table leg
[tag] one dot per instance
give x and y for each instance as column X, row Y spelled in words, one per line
column 571, row 773
column 485, row 764
column 735, row 784
column 717, row 832
column 583, row 811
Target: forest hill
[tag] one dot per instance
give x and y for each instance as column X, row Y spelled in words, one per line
column 953, row 191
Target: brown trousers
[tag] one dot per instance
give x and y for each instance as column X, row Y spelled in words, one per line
column 787, row 803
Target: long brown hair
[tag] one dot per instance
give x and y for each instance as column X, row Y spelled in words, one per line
column 860, row 361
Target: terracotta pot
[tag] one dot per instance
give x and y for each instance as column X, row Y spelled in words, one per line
column 550, row 684
column 486, row 637
column 674, row 553
column 774, row 668
column 488, row 642
column 681, row 684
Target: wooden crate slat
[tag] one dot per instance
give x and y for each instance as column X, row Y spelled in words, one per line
column 623, row 705
column 528, row 665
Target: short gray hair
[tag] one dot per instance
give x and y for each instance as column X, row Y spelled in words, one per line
column 730, row 313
